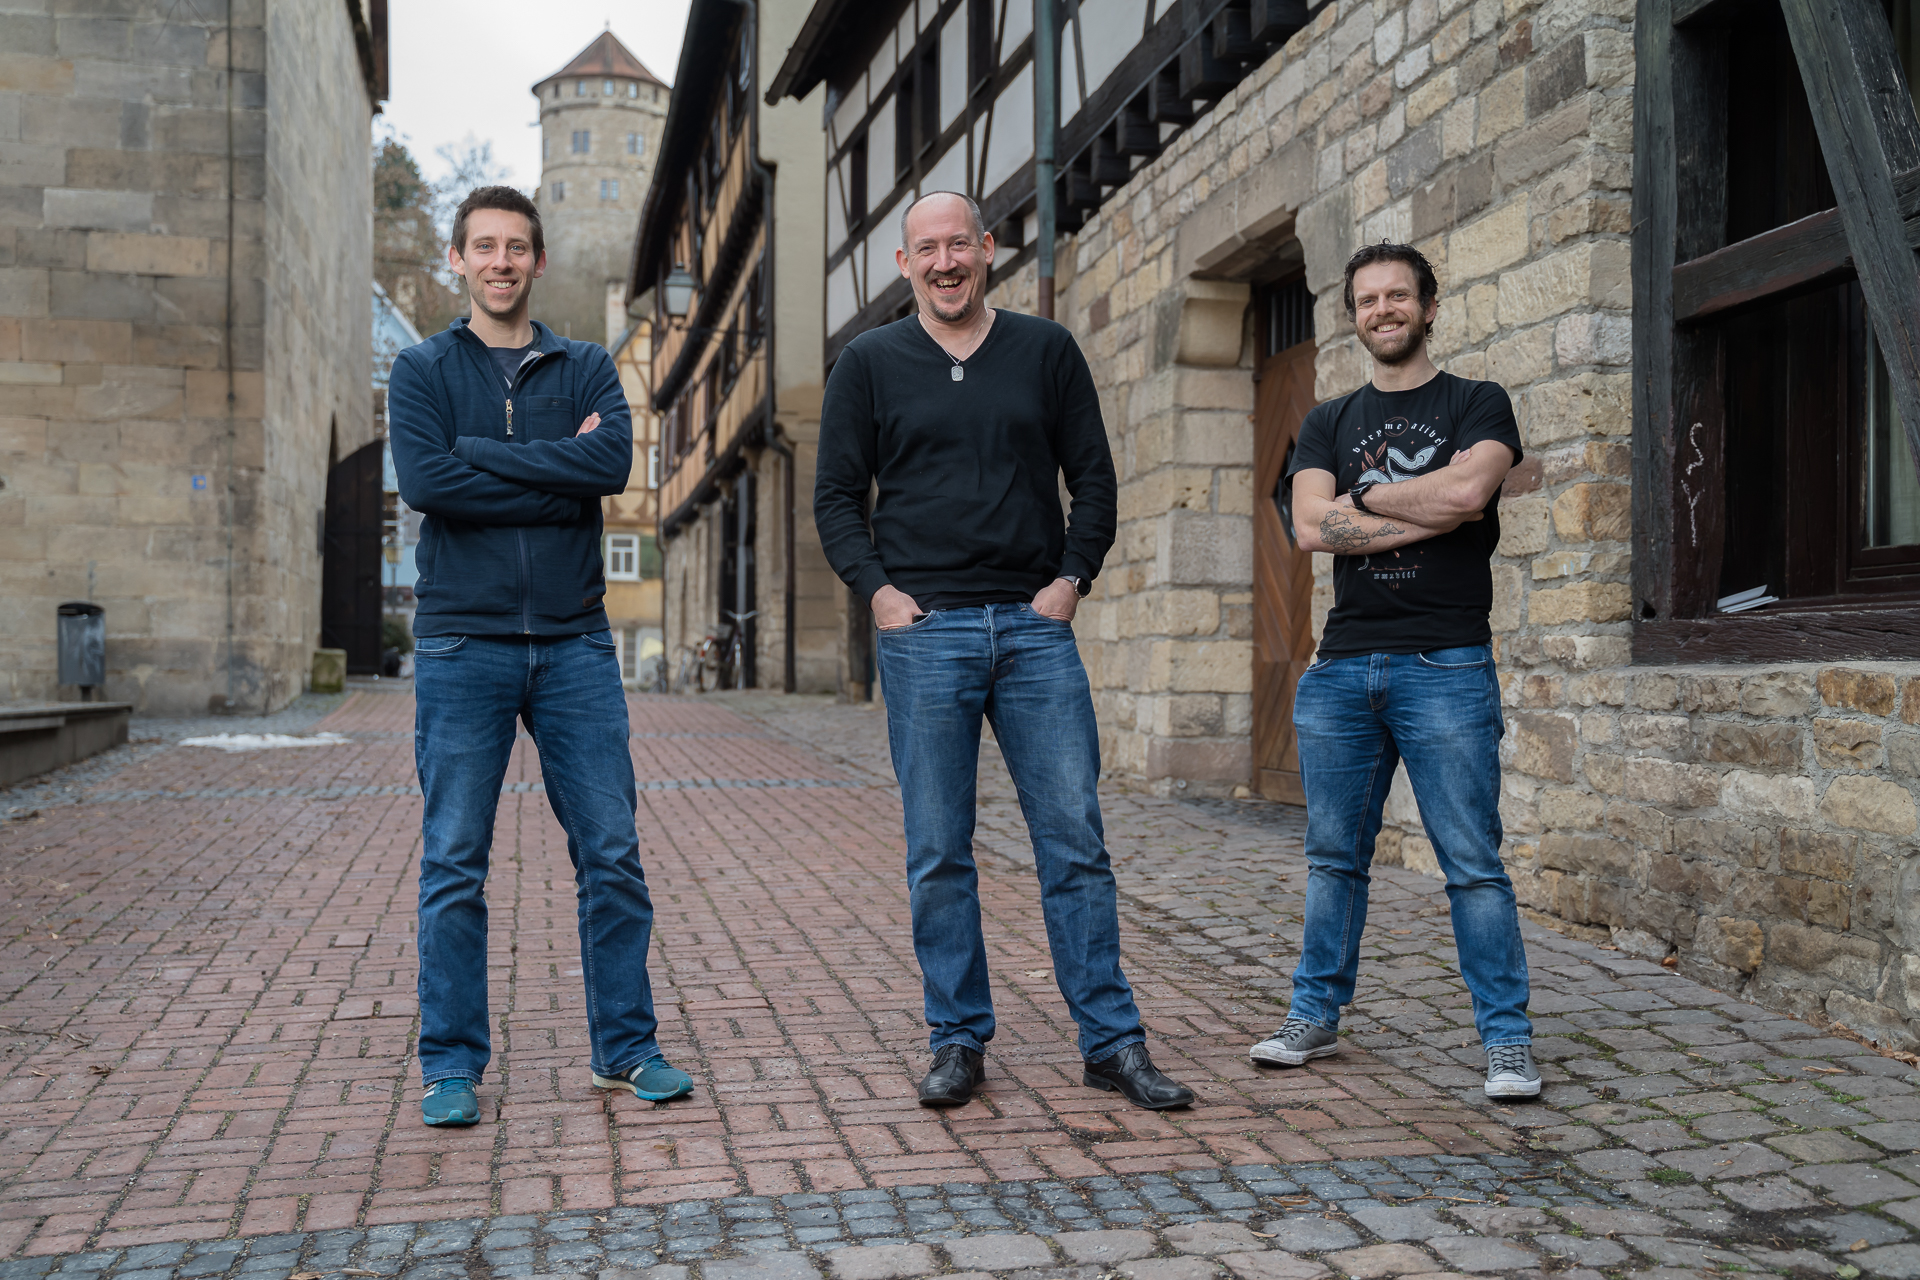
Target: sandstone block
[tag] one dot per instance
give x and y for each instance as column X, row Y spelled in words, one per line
column 1488, row 244
column 1710, row 692
column 109, row 210
column 1525, row 357
column 1197, row 548
column 1715, row 838
column 1543, row 744
column 1869, row 804
column 1873, row 692
column 1657, row 733
column 1605, row 771
column 1592, row 273
column 1777, row 693
column 1594, row 512
column 1903, row 752
column 1523, row 526
column 1509, row 592
column 26, row 73
column 147, row 255
column 1693, row 880
column 1566, row 809
column 1846, row 744
column 1910, row 700
column 1657, row 781
column 1730, row 941
column 1770, row 747
column 1585, row 404
column 1582, row 602
column 1768, row 795
column 1823, row 854
column 1814, row 950
column 1640, row 825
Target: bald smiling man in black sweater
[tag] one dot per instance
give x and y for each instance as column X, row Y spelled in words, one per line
column 967, row 418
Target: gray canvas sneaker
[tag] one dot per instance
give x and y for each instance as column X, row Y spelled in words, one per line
column 1511, row 1073
column 1294, row 1043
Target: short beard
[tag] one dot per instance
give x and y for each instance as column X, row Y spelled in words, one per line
column 1414, row 343
column 967, row 307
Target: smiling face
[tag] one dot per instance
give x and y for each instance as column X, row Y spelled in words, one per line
column 498, row 264
column 1387, row 315
column 946, row 257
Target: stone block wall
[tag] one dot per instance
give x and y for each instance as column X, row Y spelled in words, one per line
column 139, row 468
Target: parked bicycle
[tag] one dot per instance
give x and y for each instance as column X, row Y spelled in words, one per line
column 736, row 646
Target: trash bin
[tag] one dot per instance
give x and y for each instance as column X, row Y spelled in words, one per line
column 83, row 646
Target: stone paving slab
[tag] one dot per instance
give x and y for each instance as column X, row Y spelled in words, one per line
column 206, row 1036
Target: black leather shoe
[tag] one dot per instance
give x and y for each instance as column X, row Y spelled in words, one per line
column 1131, row 1071
column 957, row 1072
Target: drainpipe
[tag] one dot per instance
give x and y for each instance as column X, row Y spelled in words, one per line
column 772, row 435
column 778, row 443
column 1046, row 99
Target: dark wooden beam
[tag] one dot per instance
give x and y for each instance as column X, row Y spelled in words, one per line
column 1108, row 164
column 1654, row 213
column 1801, row 255
column 1273, row 22
column 1863, row 632
column 1135, row 131
column 1696, row 13
column 1164, row 103
column 1233, row 35
column 1864, row 116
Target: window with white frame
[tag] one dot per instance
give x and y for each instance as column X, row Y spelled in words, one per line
column 636, row 144
column 582, row 141
column 559, row 192
column 633, row 88
column 579, row 88
column 653, row 466
column 623, row 557
column 609, row 188
column 606, row 88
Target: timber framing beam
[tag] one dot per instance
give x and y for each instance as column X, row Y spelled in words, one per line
column 1864, row 117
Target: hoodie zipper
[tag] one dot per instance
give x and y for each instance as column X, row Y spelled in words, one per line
column 520, row 535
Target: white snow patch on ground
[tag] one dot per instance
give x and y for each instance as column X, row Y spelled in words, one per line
column 264, row 741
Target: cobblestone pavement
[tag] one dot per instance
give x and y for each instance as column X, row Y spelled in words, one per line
column 205, row 1053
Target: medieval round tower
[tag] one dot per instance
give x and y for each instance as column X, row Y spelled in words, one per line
column 601, row 117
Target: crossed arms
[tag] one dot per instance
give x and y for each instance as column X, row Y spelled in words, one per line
column 1408, row 511
column 481, row 481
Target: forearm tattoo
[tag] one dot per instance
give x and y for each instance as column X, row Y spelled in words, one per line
column 1345, row 535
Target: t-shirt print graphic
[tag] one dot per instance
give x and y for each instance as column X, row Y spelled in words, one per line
column 1386, row 462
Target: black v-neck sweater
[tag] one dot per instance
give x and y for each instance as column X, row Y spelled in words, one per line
column 968, row 508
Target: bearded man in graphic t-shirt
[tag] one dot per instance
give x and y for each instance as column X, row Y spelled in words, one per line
column 1400, row 481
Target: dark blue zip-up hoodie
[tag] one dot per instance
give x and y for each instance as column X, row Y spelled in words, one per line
column 511, row 540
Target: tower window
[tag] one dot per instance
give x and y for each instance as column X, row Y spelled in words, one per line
column 609, row 188
column 546, row 148
column 559, row 192
column 582, row 141
column 579, row 88
column 606, row 88
column 633, row 88
column 636, row 144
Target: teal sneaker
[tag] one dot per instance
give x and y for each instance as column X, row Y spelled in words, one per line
column 653, row 1080
column 452, row 1103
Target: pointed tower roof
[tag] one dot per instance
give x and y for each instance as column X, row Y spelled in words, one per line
column 606, row 56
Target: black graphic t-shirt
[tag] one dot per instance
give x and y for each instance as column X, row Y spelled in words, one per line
column 1434, row 594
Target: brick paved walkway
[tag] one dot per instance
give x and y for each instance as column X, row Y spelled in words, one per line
column 208, row 1014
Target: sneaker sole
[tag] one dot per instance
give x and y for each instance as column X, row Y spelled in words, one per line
column 1288, row 1058
column 1517, row 1089
column 609, row 1082
column 458, row 1120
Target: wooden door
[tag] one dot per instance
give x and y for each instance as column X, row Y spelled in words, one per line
column 1282, row 574
column 351, row 539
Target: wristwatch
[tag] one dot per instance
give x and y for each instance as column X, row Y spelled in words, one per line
column 1080, row 585
column 1359, row 494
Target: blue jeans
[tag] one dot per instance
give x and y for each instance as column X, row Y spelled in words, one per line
column 468, row 691
column 1357, row 718
column 1022, row 672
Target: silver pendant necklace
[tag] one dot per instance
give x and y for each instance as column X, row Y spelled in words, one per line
column 959, row 370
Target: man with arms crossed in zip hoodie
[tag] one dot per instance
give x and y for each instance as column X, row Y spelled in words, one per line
column 506, row 438
column 1400, row 481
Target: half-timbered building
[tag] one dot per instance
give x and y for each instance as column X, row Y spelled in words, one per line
column 727, row 264
column 1680, row 233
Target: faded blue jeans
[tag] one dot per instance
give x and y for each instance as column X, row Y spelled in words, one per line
column 1356, row 718
column 1022, row 673
column 468, row 691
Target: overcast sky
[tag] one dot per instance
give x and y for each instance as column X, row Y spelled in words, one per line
column 460, row 67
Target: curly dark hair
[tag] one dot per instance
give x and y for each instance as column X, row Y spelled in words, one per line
column 511, row 201
column 1385, row 251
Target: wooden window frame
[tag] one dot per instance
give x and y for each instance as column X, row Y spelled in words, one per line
column 1865, row 121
